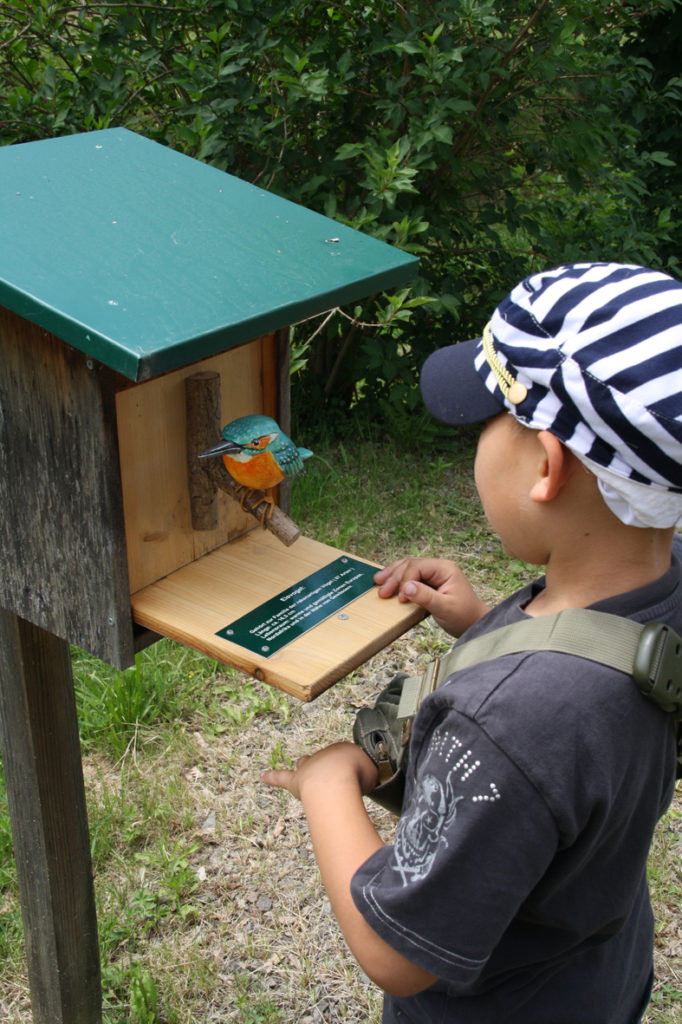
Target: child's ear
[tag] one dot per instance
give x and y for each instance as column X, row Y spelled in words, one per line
column 553, row 468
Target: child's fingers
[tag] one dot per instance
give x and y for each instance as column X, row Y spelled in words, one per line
column 392, row 579
column 388, row 580
column 285, row 778
column 282, row 778
column 443, row 607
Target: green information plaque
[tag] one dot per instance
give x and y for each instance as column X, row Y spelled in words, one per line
column 273, row 625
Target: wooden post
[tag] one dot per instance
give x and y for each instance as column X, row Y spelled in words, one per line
column 46, row 797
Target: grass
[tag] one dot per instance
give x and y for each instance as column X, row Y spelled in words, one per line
column 208, row 901
column 168, row 684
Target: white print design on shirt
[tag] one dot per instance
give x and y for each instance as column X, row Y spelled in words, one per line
column 433, row 807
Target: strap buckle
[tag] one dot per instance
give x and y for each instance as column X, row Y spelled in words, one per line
column 657, row 669
column 383, row 763
column 416, row 688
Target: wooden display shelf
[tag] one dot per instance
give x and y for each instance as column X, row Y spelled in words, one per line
column 192, row 604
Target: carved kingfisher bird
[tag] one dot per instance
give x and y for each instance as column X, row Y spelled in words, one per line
column 257, row 454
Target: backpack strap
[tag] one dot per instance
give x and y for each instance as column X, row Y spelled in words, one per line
column 651, row 654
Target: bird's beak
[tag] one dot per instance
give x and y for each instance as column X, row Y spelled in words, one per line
column 221, row 448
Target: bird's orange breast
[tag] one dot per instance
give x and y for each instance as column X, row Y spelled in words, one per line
column 259, row 472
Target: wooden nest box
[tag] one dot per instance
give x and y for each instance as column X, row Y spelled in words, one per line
column 131, row 273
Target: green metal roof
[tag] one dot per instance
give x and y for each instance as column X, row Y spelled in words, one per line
column 148, row 260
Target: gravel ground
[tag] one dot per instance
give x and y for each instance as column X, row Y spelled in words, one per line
column 281, row 938
column 264, row 947
column 277, row 935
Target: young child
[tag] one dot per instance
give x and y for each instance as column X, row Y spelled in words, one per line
column 515, row 891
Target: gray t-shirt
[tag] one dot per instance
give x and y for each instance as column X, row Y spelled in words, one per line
column 518, row 872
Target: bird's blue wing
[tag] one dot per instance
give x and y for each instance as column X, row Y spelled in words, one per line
column 290, row 458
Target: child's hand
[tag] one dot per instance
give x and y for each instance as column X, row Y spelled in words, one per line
column 436, row 585
column 330, row 785
column 342, row 764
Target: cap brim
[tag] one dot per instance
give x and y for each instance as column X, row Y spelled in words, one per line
column 452, row 389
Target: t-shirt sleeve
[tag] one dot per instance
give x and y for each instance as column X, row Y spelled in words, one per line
column 473, row 840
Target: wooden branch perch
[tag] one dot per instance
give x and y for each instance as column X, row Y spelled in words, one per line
column 207, row 476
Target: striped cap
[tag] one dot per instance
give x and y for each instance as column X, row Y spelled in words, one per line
column 591, row 352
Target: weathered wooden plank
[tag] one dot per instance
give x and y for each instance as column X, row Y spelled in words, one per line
column 61, row 528
column 45, row 792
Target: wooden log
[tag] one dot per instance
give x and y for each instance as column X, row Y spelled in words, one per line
column 202, row 397
column 46, row 797
column 283, row 348
column 202, row 393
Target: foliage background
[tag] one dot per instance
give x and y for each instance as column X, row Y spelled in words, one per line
column 490, row 137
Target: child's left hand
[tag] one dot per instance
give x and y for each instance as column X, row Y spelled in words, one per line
column 342, row 764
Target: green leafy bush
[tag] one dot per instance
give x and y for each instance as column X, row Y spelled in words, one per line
column 489, row 137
